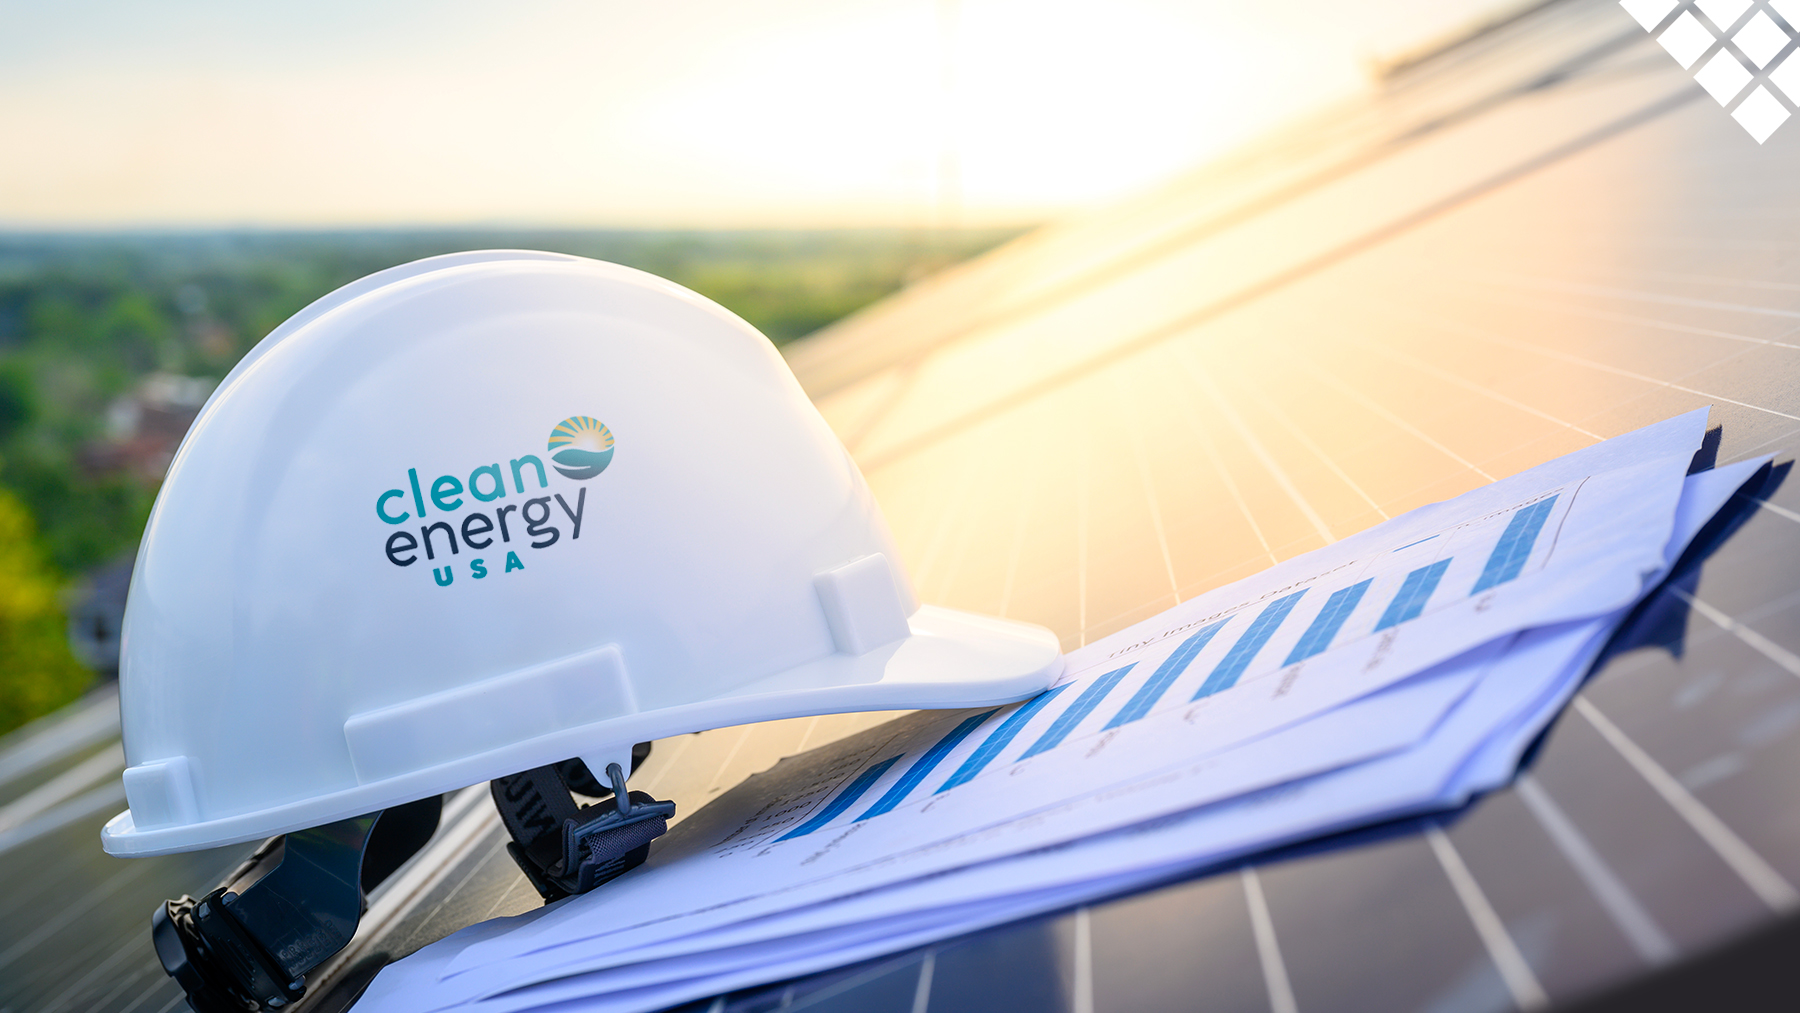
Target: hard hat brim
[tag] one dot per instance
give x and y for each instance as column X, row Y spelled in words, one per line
column 951, row 659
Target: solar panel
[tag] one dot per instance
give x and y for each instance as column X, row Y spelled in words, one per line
column 1539, row 238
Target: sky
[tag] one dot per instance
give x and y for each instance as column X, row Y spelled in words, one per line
column 659, row 113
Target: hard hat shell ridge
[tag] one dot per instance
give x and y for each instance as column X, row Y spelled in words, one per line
column 487, row 512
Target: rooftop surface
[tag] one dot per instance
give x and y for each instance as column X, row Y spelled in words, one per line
column 1544, row 236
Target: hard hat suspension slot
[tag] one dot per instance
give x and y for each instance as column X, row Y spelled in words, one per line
column 565, row 848
column 249, row 944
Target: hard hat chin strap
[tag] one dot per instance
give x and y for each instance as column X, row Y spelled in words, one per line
column 249, row 944
column 564, row 848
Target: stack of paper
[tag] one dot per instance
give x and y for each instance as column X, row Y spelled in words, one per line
column 1397, row 671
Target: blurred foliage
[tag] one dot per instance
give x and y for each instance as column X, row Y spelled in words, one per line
column 37, row 672
column 83, row 318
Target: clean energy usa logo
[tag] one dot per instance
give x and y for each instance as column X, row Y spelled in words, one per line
column 451, row 513
column 1740, row 51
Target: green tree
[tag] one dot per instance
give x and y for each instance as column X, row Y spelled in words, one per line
column 37, row 672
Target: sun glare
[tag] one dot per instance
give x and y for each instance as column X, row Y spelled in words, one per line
column 791, row 112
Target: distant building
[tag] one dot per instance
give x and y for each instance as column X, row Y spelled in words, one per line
column 98, row 617
column 144, row 428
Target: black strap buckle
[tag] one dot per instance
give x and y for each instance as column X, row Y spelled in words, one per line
column 564, row 849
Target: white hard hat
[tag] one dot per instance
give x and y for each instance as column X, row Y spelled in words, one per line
column 488, row 512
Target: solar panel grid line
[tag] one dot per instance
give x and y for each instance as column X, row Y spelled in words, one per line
column 1081, row 986
column 1140, row 458
column 739, row 735
column 1234, row 208
column 1323, row 486
column 1661, row 298
column 962, row 561
column 1717, row 281
column 520, row 890
column 1268, row 946
column 1126, row 562
column 105, row 797
column 1287, row 422
column 1689, row 337
column 93, row 721
column 1250, row 440
column 1608, row 410
column 1634, row 922
column 64, row 785
column 1381, row 313
column 1280, row 279
column 463, row 825
column 1469, row 385
column 1040, row 584
column 922, row 988
column 1527, row 992
column 1199, row 429
column 1576, row 360
column 1779, row 511
column 671, row 751
column 84, row 938
column 50, row 977
column 1372, row 405
column 1028, row 495
column 1210, row 537
column 135, row 978
column 950, row 513
column 1083, row 491
column 71, row 911
column 482, row 858
column 1303, row 488
column 1761, row 644
column 1769, row 885
column 156, row 990
column 1631, row 319
column 136, row 946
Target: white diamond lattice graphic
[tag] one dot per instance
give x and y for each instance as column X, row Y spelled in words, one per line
column 1723, row 77
column 1760, row 113
column 1761, row 39
column 1686, row 39
column 1786, row 77
column 1651, row 13
column 1732, row 70
column 1724, row 13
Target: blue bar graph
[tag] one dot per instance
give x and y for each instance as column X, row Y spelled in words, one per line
column 1242, row 653
column 923, row 766
column 1002, row 737
column 1508, row 558
column 1328, row 622
column 1414, row 591
column 845, row 800
column 1081, row 708
column 1165, row 674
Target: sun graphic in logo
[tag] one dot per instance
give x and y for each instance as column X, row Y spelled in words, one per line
column 583, row 447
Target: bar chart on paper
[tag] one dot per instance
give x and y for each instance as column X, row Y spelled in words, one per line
column 1273, row 633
